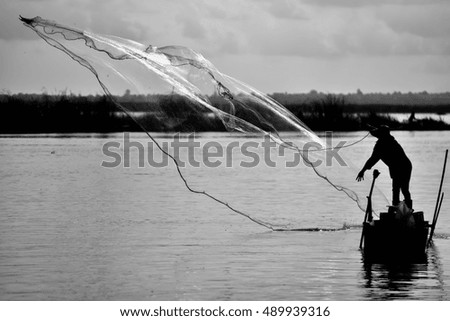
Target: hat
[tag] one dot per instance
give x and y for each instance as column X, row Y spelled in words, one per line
column 380, row 132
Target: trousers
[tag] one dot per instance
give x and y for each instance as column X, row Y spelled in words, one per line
column 401, row 183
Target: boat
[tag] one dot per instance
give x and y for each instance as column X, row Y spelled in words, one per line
column 400, row 234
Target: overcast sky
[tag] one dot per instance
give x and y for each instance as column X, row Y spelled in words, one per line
column 273, row 45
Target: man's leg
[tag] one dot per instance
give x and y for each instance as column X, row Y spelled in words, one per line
column 395, row 191
column 404, row 186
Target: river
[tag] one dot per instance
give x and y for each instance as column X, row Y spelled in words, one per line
column 71, row 229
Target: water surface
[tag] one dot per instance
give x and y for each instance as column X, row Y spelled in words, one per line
column 71, row 229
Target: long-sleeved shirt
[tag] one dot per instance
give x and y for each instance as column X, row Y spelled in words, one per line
column 392, row 154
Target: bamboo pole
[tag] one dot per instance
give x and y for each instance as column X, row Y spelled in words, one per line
column 439, row 200
column 435, row 219
column 368, row 215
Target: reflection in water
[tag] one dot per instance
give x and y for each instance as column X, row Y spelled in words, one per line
column 394, row 280
column 83, row 232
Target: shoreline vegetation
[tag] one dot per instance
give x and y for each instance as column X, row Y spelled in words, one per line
column 69, row 113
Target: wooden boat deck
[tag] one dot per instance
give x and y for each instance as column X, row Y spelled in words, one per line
column 394, row 238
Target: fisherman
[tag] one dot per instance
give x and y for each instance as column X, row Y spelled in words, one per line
column 392, row 154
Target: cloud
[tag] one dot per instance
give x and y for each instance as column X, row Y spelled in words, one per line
column 10, row 26
column 287, row 9
column 326, row 28
column 429, row 22
column 393, row 30
column 370, row 3
column 192, row 27
column 108, row 17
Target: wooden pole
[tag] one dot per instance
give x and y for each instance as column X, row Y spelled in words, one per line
column 435, row 219
column 440, row 186
column 439, row 208
column 438, row 199
column 368, row 214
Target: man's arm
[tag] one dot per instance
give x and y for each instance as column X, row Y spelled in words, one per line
column 373, row 159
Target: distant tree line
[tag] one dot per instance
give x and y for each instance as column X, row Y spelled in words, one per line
column 63, row 113
column 396, row 102
column 42, row 113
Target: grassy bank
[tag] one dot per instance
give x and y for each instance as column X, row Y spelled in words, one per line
column 30, row 113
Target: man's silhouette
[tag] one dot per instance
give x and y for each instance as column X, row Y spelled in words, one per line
column 392, row 154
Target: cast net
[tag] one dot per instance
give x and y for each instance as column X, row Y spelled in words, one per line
column 179, row 90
